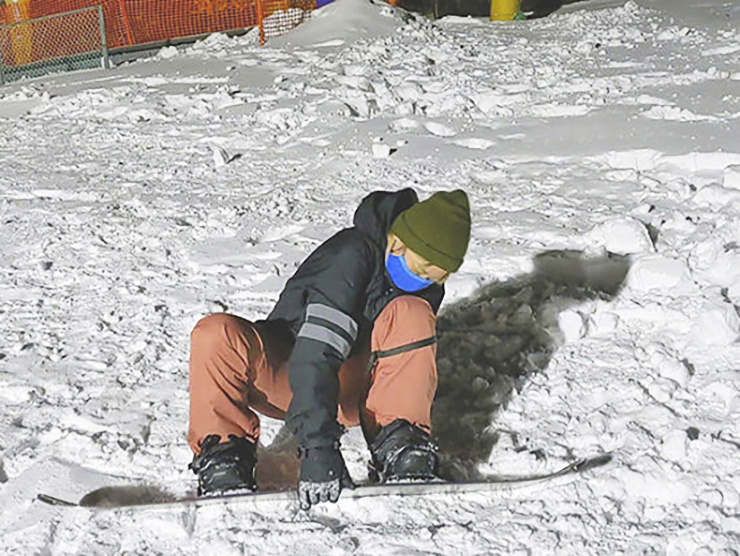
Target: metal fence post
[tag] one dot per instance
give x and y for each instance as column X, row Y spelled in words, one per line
column 2, row 59
column 103, row 38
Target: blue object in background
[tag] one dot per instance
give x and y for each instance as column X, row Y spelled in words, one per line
column 322, row 3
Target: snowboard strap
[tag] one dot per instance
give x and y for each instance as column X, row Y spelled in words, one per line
column 374, row 356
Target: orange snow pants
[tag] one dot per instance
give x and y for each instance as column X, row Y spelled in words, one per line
column 238, row 368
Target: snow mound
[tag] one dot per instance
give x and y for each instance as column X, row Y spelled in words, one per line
column 341, row 23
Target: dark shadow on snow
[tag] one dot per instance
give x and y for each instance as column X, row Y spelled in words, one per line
column 489, row 344
column 478, row 8
column 542, row 8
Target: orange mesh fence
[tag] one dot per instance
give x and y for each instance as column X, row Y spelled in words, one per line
column 151, row 21
column 54, row 43
column 133, row 22
column 280, row 16
column 130, row 22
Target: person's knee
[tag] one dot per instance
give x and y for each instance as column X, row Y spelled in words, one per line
column 409, row 304
column 212, row 328
column 413, row 311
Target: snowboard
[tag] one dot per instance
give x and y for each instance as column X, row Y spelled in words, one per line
column 148, row 496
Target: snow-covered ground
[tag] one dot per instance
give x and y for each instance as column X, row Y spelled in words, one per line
column 597, row 310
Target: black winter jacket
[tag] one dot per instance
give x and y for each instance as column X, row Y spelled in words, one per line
column 329, row 306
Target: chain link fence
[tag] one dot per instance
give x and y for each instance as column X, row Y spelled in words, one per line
column 62, row 42
column 277, row 17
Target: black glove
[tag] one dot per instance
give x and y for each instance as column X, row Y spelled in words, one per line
column 323, row 476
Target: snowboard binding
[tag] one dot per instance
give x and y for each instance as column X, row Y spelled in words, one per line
column 227, row 466
column 403, row 452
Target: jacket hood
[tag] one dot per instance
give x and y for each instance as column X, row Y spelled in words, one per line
column 378, row 210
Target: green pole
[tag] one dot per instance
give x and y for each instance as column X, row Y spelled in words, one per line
column 103, row 38
column 2, row 62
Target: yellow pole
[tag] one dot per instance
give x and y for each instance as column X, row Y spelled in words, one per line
column 504, row 10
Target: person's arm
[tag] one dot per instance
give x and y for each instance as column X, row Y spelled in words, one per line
column 335, row 296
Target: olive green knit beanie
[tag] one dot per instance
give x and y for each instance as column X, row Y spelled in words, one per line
column 437, row 228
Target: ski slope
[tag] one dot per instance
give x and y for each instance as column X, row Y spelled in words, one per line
column 597, row 310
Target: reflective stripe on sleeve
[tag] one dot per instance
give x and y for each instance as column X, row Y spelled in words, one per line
column 326, row 336
column 334, row 316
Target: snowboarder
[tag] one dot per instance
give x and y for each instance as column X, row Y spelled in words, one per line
column 351, row 341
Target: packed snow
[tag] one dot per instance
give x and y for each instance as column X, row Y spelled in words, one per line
column 596, row 312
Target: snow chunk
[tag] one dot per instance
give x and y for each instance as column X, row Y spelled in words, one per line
column 732, row 177
column 572, row 325
column 623, row 236
column 715, row 195
column 674, row 113
column 718, row 324
column 474, row 143
column 603, row 322
column 674, row 446
column 381, row 150
column 718, row 267
column 676, row 371
column 440, row 130
column 656, row 272
column 662, row 389
column 168, row 52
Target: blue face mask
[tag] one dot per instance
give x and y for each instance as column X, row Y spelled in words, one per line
column 402, row 276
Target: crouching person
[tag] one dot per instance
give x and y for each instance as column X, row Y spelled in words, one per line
column 351, row 341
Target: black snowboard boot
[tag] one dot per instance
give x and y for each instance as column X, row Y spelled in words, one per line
column 225, row 466
column 403, row 452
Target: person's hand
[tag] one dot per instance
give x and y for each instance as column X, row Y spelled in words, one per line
column 323, row 476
